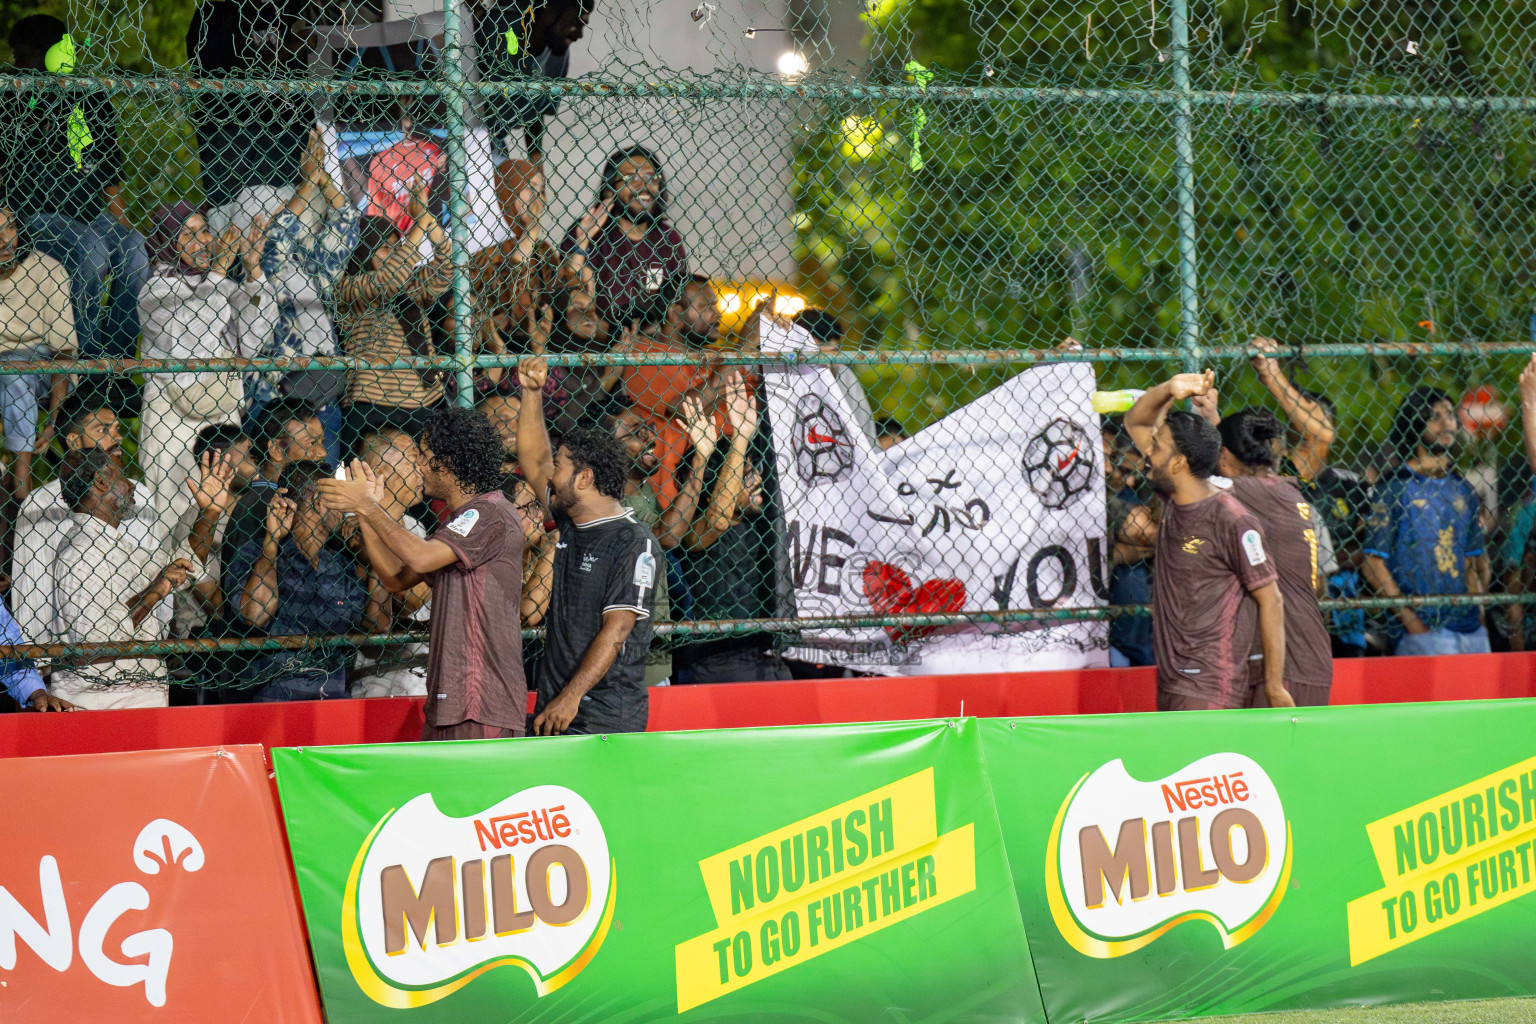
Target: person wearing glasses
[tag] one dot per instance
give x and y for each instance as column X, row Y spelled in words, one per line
column 624, row 246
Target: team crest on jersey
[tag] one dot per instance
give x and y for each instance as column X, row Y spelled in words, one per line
column 1192, row 545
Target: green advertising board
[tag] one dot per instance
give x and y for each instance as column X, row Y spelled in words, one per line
column 1237, row 862
column 828, row 873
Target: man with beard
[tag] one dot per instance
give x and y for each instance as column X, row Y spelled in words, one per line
column 87, row 421
column 1424, row 536
column 606, row 570
column 1291, row 525
column 676, row 525
column 1211, row 555
column 624, row 244
column 107, row 586
column 473, row 561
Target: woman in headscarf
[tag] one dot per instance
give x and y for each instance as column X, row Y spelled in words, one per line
column 381, row 304
column 190, row 310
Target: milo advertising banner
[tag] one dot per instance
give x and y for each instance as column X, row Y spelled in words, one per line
column 749, row 875
column 1239, row 862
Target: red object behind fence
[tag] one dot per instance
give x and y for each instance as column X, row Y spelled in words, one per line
column 738, row 705
column 171, row 854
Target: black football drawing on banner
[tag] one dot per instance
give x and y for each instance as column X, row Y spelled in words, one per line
column 1058, row 462
column 822, row 448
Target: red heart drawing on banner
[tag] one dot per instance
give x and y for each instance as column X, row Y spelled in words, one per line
column 890, row 592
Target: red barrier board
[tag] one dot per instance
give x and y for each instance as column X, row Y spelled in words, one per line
column 148, row 886
column 742, row 705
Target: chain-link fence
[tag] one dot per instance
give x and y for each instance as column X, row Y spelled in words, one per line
column 225, row 277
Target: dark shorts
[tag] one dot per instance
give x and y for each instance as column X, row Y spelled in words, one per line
column 468, row 731
column 1179, row 702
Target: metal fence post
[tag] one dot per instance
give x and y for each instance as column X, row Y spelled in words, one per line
column 457, row 104
column 1184, row 185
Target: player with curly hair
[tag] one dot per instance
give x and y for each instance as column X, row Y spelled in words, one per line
column 605, row 577
column 475, row 683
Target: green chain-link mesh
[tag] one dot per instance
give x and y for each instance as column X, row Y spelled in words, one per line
column 962, row 186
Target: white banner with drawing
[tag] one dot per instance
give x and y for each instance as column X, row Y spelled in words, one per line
column 1000, row 505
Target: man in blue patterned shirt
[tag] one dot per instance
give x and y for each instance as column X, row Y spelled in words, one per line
column 1424, row 537
column 20, row 677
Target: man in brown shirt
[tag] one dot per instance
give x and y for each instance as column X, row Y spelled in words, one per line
column 473, row 562
column 1250, row 459
column 1210, row 557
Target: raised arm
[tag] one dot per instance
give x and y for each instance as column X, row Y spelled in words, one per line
column 1145, row 418
column 399, row 557
column 1306, row 417
column 534, row 453
column 677, row 521
column 741, row 412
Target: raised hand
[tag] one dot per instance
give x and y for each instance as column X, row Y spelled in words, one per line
column 1265, row 364
column 211, row 489
column 230, row 243
column 1188, row 385
column 695, row 421
column 353, row 494
column 280, row 513
column 416, row 204
column 591, row 223
column 255, row 243
column 1207, row 405
column 740, row 407
column 1528, row 384
column 541, row 324
column 532, row 372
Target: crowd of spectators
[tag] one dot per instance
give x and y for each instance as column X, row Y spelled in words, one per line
column 193, row 505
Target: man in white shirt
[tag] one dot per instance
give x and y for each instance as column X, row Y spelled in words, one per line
column 398, row 670
column 107, row 587
column 86, row 421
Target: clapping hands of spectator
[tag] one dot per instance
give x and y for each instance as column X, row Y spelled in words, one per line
column 280, row 513
column 361, row 488
column 254, row 244
column 230, row 244
column 740, row 408
column 416, row 201
column 541, row 324
column 695, row 421
column 211, row 488
column 591, row 224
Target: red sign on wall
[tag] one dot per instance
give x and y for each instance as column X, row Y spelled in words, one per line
column 149, row 886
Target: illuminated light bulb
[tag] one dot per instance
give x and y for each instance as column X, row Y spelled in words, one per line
column 792, row 64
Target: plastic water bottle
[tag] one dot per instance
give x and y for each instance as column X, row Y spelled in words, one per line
column 1106, row 402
